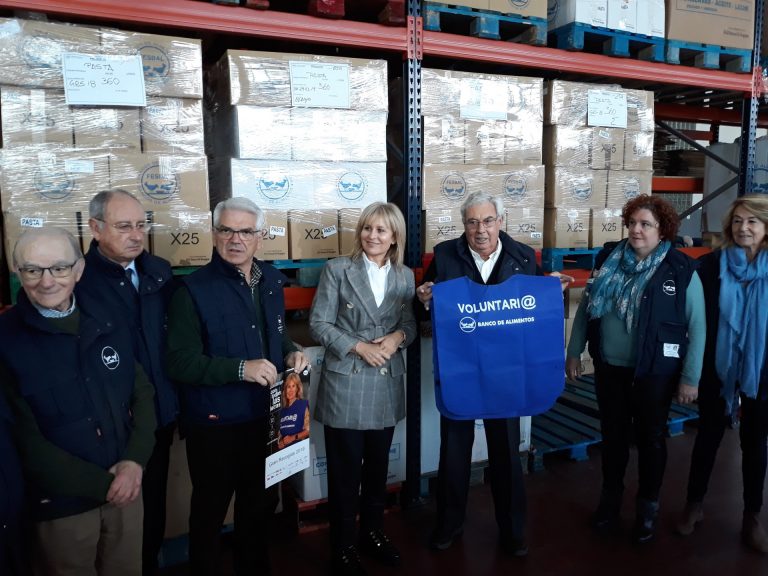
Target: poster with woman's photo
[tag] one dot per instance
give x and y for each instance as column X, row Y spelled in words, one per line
column 288, row 442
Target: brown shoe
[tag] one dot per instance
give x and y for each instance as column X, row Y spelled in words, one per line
column 753, row 534
column 692, row 515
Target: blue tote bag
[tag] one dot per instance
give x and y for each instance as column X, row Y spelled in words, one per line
column 498, row 349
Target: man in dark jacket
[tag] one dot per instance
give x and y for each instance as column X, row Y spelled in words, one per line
column 486, row 255
column 227, row 342
column 13, row 549
column 84, row 413
column 134, row 285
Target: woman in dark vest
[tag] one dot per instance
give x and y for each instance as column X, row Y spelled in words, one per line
column 643, row 316
column 735, row 280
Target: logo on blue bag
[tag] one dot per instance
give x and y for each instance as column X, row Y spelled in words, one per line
column 274, row 186
column 454, row 186
column 467, row 324
column 53, row 184
column 155, row 62
column 156, row 185
column 110, row 357
column 515, row 187
column 352, row 186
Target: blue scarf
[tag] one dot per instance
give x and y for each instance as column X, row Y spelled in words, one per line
column 622, row 281
column 741, row 333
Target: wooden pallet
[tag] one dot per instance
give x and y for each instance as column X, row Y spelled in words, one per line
column 708, row 56
column 553, row 259
column 484, row 24
column 594, row 39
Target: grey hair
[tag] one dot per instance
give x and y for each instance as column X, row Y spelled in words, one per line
column 480, row 197
column 31, row 234
column 97, row 207
column 243, row 205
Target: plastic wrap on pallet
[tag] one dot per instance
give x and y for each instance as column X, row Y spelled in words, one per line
column 638, row 150
column 51, row 178
column 566, row 227
column 579, row 188
column 596, row 148
column 336, row 135
column 503, row 142
column 348, row 218
column 103, row 127
column 438, row 225
column 604, row 226
column 173, row 66
column 566, row 103
column 264, row 79
column 481, row 96
column 34, row 116
column 526, row 225
column 232, row 132
column 591, row 12
column 172, row 126
column 623, row 185
column 274, row 243
column 183, row 237
column 447, row 185
column 640, row 110
column 30, row 50
column 313, row 233
column 444, row 139
column 162, row 182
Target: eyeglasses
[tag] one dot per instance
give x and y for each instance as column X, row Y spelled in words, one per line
column 487, row 222
column 34, row 273
column 246, row 234
column 127, row 227
column 644, row 224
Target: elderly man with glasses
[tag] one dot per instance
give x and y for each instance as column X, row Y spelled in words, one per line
column 136, row 287
column 227, row 342
column 84, row 412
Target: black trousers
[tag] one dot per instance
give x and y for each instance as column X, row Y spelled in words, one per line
column 506, row 473
column 753, row 433
column 154, row 487
column 357, row 480
column 226, row 460
column 633, row 407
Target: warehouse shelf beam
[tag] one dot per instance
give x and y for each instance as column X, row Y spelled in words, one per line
column 195, row 15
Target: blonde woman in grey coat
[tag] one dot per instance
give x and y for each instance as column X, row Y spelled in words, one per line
column 362, row 314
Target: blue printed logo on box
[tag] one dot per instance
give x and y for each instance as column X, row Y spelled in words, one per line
column 274, row 186
column 319, row 467
column 352, row 186
column 156, row 185
column 515, row 187
column 53, row 184
column 454, row 186
column 156, row 64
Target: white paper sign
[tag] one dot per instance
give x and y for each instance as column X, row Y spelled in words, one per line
column 484, row 99
column 329, row 231
column 319, row 84
column 103, row 80
column 607, row 108
column 277, row 230
column 286, row 462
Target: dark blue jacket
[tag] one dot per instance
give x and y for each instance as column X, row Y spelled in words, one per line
column 146, row 312
column 661, row 316
column 231, row 329
column 12, row 543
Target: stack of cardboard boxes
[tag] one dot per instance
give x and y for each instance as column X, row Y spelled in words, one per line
column 56, row 157
column 645, row 17
column 481, row 133
column 598, row 149
column 304, row 137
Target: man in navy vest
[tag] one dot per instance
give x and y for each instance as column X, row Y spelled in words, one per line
column 227, row 342
column 487, row 255
column 135, row 285
column 84, row 411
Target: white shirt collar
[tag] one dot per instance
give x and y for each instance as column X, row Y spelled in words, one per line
column 485, row 267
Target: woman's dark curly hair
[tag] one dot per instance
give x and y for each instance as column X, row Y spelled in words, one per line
column 662, row 210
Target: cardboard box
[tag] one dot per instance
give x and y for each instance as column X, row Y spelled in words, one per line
column 480, row 4
column 519, row 187
column 580, row 188
column 338, row 135
column 440, row 225
column 567, row 103
column 313, row 233
column 566, row 228
column 34, row 116
column 45, row 178
column 622, row 15
column 31, row 54
column 348, row 184
column 234, row 135
column 97, row 127
column 623, row 185
column 573, row 297
column 651, row 18
column 274, row 236
column 173, row 126
column 526, row 225
column 596, row 148
column 183, row 237
column 348, row 218
column 485, row 141
column 730, row 24
column 173, row 182
column 563, row 12
column 638, row 150
column 444, row 139
column 532, row 8
column 640, row 110
column 605, row 226
column 173, row 66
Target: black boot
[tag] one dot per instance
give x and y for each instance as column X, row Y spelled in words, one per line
column 607, row 518
column 645, row 520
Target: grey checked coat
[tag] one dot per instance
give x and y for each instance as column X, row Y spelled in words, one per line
column 352, row 394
